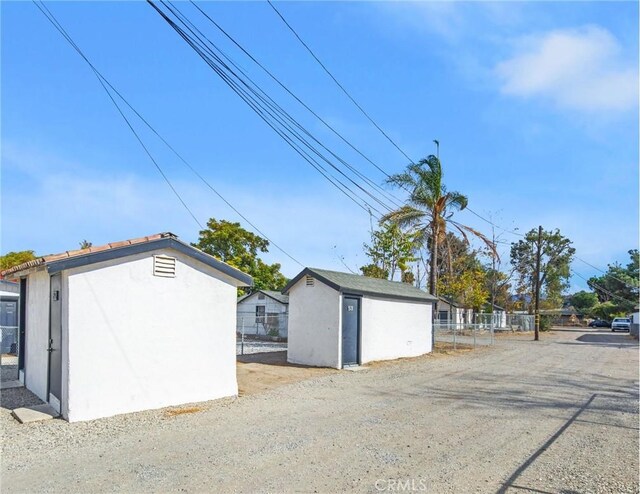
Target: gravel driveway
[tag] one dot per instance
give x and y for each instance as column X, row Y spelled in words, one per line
column 555, row 416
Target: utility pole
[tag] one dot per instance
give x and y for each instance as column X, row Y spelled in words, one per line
column 537, row 285
column 493, row 272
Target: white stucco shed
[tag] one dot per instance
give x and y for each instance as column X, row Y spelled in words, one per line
column 129, row 326
column 339, row 319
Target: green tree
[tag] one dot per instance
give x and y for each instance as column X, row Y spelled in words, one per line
column 605, row 311
column 11, row 259
column 391, row 250
column 85, row 244
column 583, row 301
column 619, row 285
column 429, row 209
column 466, row 286
column 500, row 283
column 231, row 243
column 374, row 271
column 556, row 255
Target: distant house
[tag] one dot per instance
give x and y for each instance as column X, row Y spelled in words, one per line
column 566, row 316
column 104, row 327
column 451, row 312
column 263, row 312
column 9, row 300
column 340, row 319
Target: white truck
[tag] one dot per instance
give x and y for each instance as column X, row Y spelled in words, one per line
column 622, row 323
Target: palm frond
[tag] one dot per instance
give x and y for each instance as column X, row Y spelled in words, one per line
column 457, row 200
column 491, row 246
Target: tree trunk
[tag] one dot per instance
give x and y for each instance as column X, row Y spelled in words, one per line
column 434, row 262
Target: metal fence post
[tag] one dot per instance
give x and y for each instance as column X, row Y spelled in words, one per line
column 242, row 338
column 475, row 330
column 455, row 327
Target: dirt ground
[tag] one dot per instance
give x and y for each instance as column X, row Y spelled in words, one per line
column 261, row 372
column 555, row 416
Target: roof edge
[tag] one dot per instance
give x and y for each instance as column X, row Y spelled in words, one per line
column 169, row 241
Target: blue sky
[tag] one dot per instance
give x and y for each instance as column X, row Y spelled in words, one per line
column 535, row 106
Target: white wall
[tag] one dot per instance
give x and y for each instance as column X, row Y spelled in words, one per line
column 314, row 325
column 37, row 333
column 138, row 341
column 394, row 328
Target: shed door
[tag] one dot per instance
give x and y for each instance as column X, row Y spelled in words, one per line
column 350, row 330
column 22, row 307
column 55, row 339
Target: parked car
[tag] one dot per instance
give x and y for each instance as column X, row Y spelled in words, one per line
column 599, row 323
column 623, row 323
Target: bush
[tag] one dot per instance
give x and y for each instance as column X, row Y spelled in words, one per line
column 545, row 323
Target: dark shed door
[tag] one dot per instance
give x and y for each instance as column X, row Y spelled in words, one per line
column 350, row 330
column 55, row 338
column 22, row 323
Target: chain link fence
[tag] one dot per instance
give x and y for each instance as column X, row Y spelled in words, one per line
column 520, row 322
column 9, row 353
column 463, row 334
column 9, row 341
column 261, row 333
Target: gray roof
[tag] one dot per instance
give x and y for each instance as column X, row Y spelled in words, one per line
column 277, row 296
column 363, row 285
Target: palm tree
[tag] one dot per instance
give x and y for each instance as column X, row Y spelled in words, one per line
column 429, row 209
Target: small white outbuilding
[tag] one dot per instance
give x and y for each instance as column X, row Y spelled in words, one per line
column 340, row 320
column 128, row 326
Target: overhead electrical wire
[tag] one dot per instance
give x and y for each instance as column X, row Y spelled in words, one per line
column 291, row 93
column 268, row 113
column 275, row 106
column 183, row 18
column 271, row 112
column 49, row 15
column 602, row 289
column 362, row 110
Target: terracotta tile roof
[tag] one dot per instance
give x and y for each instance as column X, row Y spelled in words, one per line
column 81, row 252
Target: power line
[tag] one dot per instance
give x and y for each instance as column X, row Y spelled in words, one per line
column 291, row 93
column 61, row 30
column 607, row 273
column 386, row 194
column 104, row 81
column 337, row 82
column 603, row 290
column 272, row 113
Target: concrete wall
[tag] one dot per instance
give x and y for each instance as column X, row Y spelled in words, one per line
column 314, row 325
column 138, row 341
column 37, row 333
column 394, row 328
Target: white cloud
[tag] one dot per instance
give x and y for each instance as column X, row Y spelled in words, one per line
column 581, row 69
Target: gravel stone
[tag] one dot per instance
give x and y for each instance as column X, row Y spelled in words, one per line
column 559, row 415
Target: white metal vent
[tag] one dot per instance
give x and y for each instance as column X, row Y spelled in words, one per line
column 164, row 266
column 309, row 280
